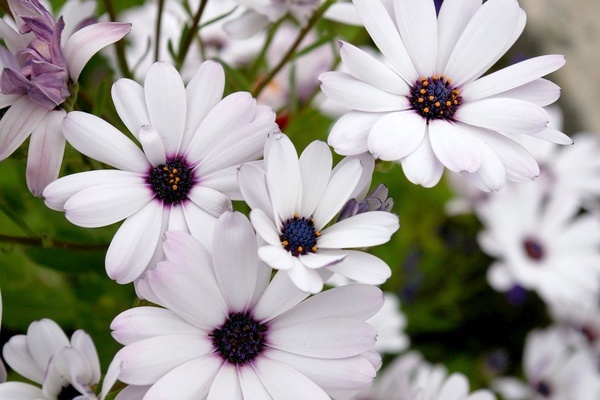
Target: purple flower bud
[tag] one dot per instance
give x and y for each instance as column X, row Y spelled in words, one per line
column 377, row 200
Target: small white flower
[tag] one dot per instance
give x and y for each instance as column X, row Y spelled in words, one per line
column 65, row 369
column 553, row 371
column 431, row 109
column 541, row 244
column 294, row 200
column 228, row 332
column 186, row 174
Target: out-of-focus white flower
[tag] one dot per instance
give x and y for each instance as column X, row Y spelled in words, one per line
column 40, row 71
column 541, row 244
column 2, row 367
column 65, row 369
column 229, row 332
column 183, row 177
column 553, row 371
column 293, row 201
column 432, row 109
column 217, row 44
column 579, row 324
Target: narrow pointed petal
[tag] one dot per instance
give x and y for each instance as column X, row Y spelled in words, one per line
column 101, row 141
column 421, row 39
column 152, row 145
column 46, row 150
column 166, row 101
column 320, row 259
column 134, row 243
column 264, row 227
column 86, row 42
column 18, row 122
column 396, row 135
column 283, row 176
column 253, row 186
column 452, row 20
column 553, row 135
column 130, row 104
column 384, row 33
column 315, row 168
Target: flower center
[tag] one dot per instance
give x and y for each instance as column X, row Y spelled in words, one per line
column 68, row 393
column 171, row 181
column 534, row 249
column 298, row 235
column 435, row 98
column 240, row 339
column 543, row 388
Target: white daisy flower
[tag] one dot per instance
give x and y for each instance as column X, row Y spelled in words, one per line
column 39, row 73
column 294, row 200
column 183, row 178
column 541, row 244
column 65, row 369
column 226, row 332
column 437, row 386
column 432, row 109
column 579, row 324
column 553, row 371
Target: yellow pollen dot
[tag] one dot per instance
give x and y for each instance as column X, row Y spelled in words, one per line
column 455, row 101
column 448, row 80
column 177, row 179
column 431, row 98
column 435, row 77
column 285, row 243
column 165, row 168
column 296, row 215
column 420, row 100
column 437, row 103
column 317, row 233
column 424, row 83
column 300, row 249
column 174, row 187
column 422, row 91
column 171, row 180
column 426, row 110
column 175, row 170
column 314, row 249
column 448, row 103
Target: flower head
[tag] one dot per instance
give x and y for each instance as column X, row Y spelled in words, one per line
column 227, row 332
column 428, row 107
column 295, row 199
column 183, row 177
column 65, row 369
column 39, row 74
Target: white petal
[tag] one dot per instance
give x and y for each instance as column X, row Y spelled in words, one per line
column 422, row 167
column 306, row 279
column 101, row 141
column 384, row 33
column 315, row 168
column 370, row 70
column 503, row 115
column 17, row 355
column 247, row 25
column 348, row 136
column 553, row 135
column 134, row 243
column 491, row 176
column 166, row 102
column 213, row 202
column 225, row 181
column 454, row 147
column 276, row 257
column 453, row 18
column 200, row 223
column 130, row 104
column 540, row 92
column 358, row 95
column 46, row 149
column 44, row 338
column 235, row 260
column 203, row 92
column 87, row 41
column 182, row 248
column 152, row 144
column 264, row 227
column 18, row 122
column 482, row 40
column 360, row 230
column 253, row 186
column 320, row 259
column 141, row 323
column 396, row 135
column 341, row 185
column 251, row 386
column 420, row 38
column 20, row 391
column 7, row 100
column 104, row 205
column 226, row 384
column 144, row 362
column 283, row 176
column 512, row 76
column 362, row 267
column 326, row 338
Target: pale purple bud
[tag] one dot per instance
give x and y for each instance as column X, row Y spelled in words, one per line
column 377, row 200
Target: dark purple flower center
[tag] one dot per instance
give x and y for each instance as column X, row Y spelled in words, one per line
column 543, row 388
column 68, row 393
column 172, row 180
column 435, row 98
column 299, row 236
column 534, row 249
column 240, row 339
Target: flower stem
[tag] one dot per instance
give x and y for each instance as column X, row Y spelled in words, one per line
column 47, row 242
column 290, row 53
column 120, row 44
column 189, row 37
column 161, row 5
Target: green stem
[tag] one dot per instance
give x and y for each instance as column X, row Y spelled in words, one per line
column 47, row 242
column 161, row 4
column 290, row 53
column 120, row 44
column 189, row 37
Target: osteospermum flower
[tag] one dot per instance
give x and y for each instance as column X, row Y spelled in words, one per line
column 294, row 200
column 185, row 173
column 553, row 371
column 430, row 109
column 39, row 75
column 541, row 244
column 226, row 332
column 65, row 369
